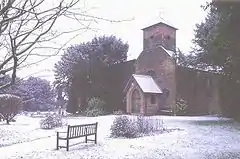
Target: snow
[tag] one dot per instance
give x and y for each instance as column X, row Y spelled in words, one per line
column 192, row 137
column 7, row 96
column 147, row 84
column 170, row 53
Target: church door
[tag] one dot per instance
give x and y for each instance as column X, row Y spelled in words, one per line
column 136, row 101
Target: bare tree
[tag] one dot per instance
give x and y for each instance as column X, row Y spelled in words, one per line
column 26, row 24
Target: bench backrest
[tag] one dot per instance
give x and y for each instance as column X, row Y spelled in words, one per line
column 81, row 130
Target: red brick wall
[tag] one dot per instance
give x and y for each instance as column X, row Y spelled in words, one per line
column 159, row 35
column 164, row 67
column 134, row 86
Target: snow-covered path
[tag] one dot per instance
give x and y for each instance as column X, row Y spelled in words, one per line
column 197, row 137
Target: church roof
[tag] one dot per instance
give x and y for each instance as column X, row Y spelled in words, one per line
column 147, row 84
column 159, row 50
column 160, row 23
column 169, row 52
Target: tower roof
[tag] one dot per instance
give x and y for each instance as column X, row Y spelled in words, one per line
column 159, row 24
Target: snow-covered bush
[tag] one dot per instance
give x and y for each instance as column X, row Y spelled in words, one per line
column 95, row 107
column 135, row 126
column 94, row 112
column 51, row 121
column 118, row 112
column 1, row 117
column 148, row 125
column 181, row 107
column 10, row 106
column 123, row 126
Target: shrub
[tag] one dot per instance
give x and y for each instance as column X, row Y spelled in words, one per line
column 148, row 125
column 181, row 107
column 95, row 107
column 124, row 127
column 94, row 112
column 37, row 115
column 1, row 117
column 135, row 126
column 144, row 126
column 10, row 106
column 118, row 112
column 51, row 121
column 24, row 113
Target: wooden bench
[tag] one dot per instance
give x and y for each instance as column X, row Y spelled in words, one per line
column 77, row 131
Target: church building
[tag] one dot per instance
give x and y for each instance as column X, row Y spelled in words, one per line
column 157, row 82
column 154, row 83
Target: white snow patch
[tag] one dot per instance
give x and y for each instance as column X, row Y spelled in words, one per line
column 198, row 137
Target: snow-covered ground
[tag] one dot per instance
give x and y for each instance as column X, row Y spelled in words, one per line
column 192, row 138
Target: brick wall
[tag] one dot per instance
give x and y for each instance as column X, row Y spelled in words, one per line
column 134, row 86
column 200, row 89
column 163, row 66
column 160, row 34
column 151, row 109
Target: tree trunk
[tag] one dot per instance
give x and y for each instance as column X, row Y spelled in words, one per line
column 8, row 121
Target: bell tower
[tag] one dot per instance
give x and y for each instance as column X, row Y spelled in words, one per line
column 160, row 34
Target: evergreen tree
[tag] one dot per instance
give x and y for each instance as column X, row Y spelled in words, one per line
column 217, row 47
column 83, row 69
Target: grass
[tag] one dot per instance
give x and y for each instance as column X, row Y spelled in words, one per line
column 214, row 123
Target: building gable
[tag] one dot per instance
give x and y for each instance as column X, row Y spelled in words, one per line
column 145, row 83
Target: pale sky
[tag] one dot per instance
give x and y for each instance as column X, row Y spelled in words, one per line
column 182, row 14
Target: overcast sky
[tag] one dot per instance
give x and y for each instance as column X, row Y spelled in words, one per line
column 182, row 14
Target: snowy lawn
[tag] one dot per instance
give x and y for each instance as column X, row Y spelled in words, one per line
column 192, row 137
column 24, row 130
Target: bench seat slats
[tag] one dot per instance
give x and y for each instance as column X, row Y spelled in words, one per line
column 77, row 131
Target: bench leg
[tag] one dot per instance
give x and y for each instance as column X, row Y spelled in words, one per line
column 85, row 139
column 67, row 144
column 95, row 138
column 57, row 140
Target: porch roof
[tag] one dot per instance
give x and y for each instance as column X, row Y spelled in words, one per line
column 147, row 84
